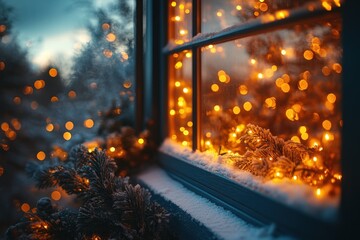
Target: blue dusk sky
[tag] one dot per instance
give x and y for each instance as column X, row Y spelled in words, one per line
column 51, row 30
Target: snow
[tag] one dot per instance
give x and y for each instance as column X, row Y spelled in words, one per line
column 289, row 192
column 200, row 37
column 219, row 221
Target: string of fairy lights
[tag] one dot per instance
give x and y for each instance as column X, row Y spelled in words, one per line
column 229, row 102
column 288, row 81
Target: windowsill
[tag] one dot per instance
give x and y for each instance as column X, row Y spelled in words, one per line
column 254, row 206
column 288, row 192
column 201, row 212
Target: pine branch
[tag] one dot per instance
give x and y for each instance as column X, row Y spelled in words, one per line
column 145, row 217
column 132, row 203
column 79, row 156
column 95, row 218
column 272, row 157
column 63, row 175
column 45, row 224
column 111, row 208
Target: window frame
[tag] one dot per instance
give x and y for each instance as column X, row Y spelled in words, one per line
column 139, row 64
column 247, row 204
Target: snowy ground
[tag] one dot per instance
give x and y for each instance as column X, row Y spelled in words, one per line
column 221, row 222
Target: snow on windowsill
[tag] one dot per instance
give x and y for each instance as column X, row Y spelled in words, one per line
column 296, row 195
column 220, row 222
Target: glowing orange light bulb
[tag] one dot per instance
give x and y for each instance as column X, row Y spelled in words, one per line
column 53, row 72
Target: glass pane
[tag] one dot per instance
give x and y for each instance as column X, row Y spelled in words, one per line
column 287, row 81
column 180, row 98
column 218, row 15
column 74, row 56
column 62, row 63
column 180, row 21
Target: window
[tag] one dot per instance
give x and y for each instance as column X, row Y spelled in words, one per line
column 276, row 65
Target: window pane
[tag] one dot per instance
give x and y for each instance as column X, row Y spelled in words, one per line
column 287, row 81
column 75, row 57
column 218, row 15
column 180, row 16
column 62, row 63
column 180, row 98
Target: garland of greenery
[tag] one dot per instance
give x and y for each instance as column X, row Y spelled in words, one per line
column 272, row 157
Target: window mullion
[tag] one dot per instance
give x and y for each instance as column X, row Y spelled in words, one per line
column 196, row 75
column 139, row 76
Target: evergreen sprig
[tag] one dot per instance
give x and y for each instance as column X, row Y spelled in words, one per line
column 111, row 208
column 48, row 222
column 272, row 157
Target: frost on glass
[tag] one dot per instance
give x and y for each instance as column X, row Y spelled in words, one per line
column 76, row 59
column 62, row 64
column 289, row 82
column 180, row 98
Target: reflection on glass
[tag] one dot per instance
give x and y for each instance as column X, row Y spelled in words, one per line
column 180, row 16
column 218, row 15
column 180, row 98
column 287, row 81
